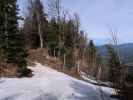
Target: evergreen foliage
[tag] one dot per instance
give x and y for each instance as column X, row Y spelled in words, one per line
column 114, row 66
column 92, row 58
column 11, row 39
column 52, row 37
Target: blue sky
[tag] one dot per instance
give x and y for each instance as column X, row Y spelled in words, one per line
column 99, row 16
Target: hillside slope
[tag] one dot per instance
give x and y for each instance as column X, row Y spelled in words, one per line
column 48, row 84
column 125, row 50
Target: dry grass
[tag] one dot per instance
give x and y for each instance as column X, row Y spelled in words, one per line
column 8, row 70
column 42, row 56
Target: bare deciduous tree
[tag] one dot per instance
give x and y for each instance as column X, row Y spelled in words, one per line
column 36, row 20
column 115, row 40
column 55, row 9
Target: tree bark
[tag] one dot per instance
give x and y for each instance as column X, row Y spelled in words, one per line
column 39, row 32
column 64, row 60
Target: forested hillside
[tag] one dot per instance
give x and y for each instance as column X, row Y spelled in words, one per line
column 125, row 51
column 50, row 35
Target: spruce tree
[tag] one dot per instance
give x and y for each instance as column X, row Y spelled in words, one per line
column 2, row 25
column 13, row 38
column 92, row 53
column 114, row 66
column 52, row 37
column 2, row 28
column 69, row 44
column 69, row 34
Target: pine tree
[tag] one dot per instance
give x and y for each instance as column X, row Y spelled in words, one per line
column 114, row 66
column 68, row 42
column 2, row 25
column 13, row 38
column 52, row 37
column 2, row 43
column 92, row 58
column 92, row 49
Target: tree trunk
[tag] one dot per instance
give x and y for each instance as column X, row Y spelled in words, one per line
column 99, row 73
column 78, row 67
column 39, row 32
column 54, row 53
column 64, row 60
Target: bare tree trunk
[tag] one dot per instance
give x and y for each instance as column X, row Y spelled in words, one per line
column 64, row 60
column 78, row 67
column 54, row 53
column 39, row 32
column 99, row 73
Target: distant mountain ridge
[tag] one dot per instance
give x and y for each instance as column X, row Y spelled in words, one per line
column 125, row 51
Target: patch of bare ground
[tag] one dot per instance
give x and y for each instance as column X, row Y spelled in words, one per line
column 8, row 70
column 41, row 55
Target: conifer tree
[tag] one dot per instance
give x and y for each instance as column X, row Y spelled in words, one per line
column 2, row 25
column 114, row 66
column 52, row 37
column 68, row 42
column 13, row 39
column 2, row 35
column 92, row 53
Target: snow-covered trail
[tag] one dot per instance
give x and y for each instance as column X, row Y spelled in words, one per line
column 48, row 84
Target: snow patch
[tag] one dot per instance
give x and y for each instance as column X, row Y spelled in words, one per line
column 48, row 84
